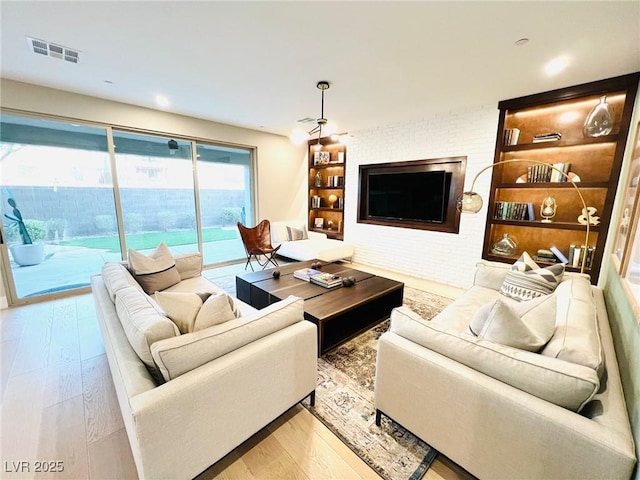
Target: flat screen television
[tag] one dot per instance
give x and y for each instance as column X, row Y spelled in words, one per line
column 408, row 196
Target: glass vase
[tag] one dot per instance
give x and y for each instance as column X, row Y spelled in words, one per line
column 599, row 122
column 505, row 247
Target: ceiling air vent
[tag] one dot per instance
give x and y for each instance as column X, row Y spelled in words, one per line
column 42, row 47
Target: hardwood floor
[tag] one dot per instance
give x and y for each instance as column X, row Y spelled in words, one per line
column 58, row 404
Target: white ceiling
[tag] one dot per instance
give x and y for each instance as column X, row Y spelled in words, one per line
column 256, row 64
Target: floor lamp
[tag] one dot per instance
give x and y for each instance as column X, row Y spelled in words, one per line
column 471, row 202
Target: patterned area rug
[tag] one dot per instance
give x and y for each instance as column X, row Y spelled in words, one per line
column 345, row 400
column 345, row 397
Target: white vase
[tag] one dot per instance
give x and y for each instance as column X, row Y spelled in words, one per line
column 26, row 255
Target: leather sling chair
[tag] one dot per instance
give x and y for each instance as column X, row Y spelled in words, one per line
column 257, row 242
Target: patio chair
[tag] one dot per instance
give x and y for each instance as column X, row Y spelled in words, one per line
column 257, row 242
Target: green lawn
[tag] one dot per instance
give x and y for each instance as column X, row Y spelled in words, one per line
column 143, row 241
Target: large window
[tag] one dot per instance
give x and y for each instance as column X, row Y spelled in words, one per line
column 68, row 206
column 56, row 185
column 627, row 247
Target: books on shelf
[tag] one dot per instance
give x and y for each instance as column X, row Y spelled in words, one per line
column 511, row 136
column 558, row 254
column 547, row 137
column 514, row 211
column 327, row 280
column 306, row 273
column 576, row 255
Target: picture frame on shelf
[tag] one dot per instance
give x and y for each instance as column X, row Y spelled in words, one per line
column 318, row 222
column 321, row 158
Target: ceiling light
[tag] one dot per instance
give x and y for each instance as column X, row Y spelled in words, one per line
column 162, row 101
column 556, row 65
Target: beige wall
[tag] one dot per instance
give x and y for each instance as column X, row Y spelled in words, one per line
column 281, row 166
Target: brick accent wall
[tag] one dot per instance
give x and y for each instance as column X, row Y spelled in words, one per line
column 443, row 257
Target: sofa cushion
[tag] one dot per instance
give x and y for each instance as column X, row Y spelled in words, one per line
column 565, row 384
column 576, row 338
column 527, row 329
column 490, row 274
column 195, row 311
column 526, row 280
column 189, row 265
column 116, row 276
column 156, row 271
column 177, row 356
column 142, row 324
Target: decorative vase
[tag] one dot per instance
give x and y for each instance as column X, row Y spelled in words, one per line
column 505, row 247
column 599, row 122
column 27, row 255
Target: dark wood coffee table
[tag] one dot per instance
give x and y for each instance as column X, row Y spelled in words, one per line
column 340, row 313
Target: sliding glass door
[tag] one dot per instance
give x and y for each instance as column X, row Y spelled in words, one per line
column 226, row 197
column 157, row 197
column 76, row 196
column 56, row 194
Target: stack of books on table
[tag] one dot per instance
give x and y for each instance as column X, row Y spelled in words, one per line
column 306, row 273
column 326, row 280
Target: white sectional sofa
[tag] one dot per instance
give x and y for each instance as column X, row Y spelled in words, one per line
column 316, row 246
column 189, row 399
column 504, row 412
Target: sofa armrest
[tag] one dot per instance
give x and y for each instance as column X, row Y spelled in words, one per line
column 181, row 354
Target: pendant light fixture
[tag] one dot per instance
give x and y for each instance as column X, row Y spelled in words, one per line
column 322, row 85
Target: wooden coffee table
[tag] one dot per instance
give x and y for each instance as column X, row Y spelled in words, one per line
column 340, row 313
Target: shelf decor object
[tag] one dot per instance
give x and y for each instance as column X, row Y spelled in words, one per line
column 471, row 202
column 506, row 246
column 599, row 122
column 548, row 209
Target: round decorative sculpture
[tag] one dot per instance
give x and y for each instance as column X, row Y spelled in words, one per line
column 316, row 265
column 348, row 281
column 332, row 199
column 276, row 274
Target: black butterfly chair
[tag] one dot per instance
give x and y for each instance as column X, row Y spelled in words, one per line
column 257, row 242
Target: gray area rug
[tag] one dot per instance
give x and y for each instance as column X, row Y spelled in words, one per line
column 345, row 397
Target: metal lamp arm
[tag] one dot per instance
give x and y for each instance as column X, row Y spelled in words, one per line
column 584, row 204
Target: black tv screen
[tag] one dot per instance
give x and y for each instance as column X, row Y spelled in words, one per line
column 408, row 196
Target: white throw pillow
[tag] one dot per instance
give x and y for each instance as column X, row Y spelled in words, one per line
column 500, row 323
column 195, row 311
column 156, row 271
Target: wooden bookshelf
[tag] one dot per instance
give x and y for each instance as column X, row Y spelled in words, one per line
column 332, row 182
column 596, row 161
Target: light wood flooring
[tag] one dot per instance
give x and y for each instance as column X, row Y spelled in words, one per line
column 59, row 405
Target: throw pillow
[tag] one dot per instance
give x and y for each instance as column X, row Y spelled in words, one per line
column 296, row 233
column 500, row 323
column 156, row 271
column 526, row 280
column 195, row 311
column 218, row 308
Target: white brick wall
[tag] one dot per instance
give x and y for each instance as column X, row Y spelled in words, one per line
column 444, row 257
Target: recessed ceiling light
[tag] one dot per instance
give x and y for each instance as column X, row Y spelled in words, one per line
column 521, row 42
column 556, row 65
column 162, row 101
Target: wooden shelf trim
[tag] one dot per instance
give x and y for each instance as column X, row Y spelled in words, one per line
column 552, row 225
column 325, row 188
column 326, row 209
column 561, row 143
column 580, row 185
column 328, row 165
